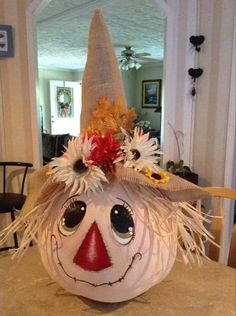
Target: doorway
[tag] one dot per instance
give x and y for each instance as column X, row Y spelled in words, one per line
column 65, row 107
column 168, row 80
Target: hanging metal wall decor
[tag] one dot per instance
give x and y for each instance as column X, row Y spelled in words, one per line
column 195, row 73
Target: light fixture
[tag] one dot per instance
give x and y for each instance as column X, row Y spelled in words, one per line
column 128, row 60
column 129, row 63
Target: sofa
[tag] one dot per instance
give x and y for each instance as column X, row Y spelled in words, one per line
column 54, row 145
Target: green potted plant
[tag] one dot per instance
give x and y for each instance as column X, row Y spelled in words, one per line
column 178, row 168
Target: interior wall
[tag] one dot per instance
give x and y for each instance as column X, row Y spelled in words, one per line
column 129, row 83
column 148, row 73
column 77, row 75
column 212, row 99
column 14, row 83
column 45, row 75
column 179, row 106
column 132, row 80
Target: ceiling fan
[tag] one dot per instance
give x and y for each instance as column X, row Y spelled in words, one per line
column 128, row 52
column 128, row 58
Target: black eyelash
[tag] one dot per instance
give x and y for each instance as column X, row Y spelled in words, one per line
column 126, row 206
column 71, row 205
column 133, row 236
column 72, row 198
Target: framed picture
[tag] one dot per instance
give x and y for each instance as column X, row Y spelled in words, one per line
column 6, row 41
column 151, row 93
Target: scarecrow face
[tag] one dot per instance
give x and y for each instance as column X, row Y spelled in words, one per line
column 102, row 247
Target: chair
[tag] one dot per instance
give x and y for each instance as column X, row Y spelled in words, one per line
column 222, row 228
column 9, row 201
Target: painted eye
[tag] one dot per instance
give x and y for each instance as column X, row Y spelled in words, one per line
column 73, row 216
column 122, row 224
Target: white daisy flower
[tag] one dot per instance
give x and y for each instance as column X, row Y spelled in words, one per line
column 140, row 152
column 76, row 170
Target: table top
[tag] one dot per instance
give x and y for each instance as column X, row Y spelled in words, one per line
column 27, row 290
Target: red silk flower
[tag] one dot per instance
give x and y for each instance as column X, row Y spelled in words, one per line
column 105, row 152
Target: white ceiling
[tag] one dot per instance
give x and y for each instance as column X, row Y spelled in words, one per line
column 62, row 30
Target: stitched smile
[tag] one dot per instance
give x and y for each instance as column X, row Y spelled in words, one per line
column 137, row 255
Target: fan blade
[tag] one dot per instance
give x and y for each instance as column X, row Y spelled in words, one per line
column 148, row 59
column 141, row 55
column 122, row 46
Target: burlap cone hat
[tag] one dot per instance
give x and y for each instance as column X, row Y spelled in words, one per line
column 102, row 79
column 101, row 75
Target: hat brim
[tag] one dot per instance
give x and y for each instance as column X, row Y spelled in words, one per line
column 175, row 190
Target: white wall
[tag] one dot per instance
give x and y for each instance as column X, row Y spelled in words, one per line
column 15, row 110
column 212, row 100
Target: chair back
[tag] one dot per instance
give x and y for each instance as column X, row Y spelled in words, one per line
column 222, row 227
column 6, row 164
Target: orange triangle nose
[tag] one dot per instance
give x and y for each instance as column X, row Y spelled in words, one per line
column 92, row 254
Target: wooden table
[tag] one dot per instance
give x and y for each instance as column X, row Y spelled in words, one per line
column 27, row 290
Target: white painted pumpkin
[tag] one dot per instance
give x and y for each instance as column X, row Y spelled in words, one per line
column 103, row 247
column 107, row 228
